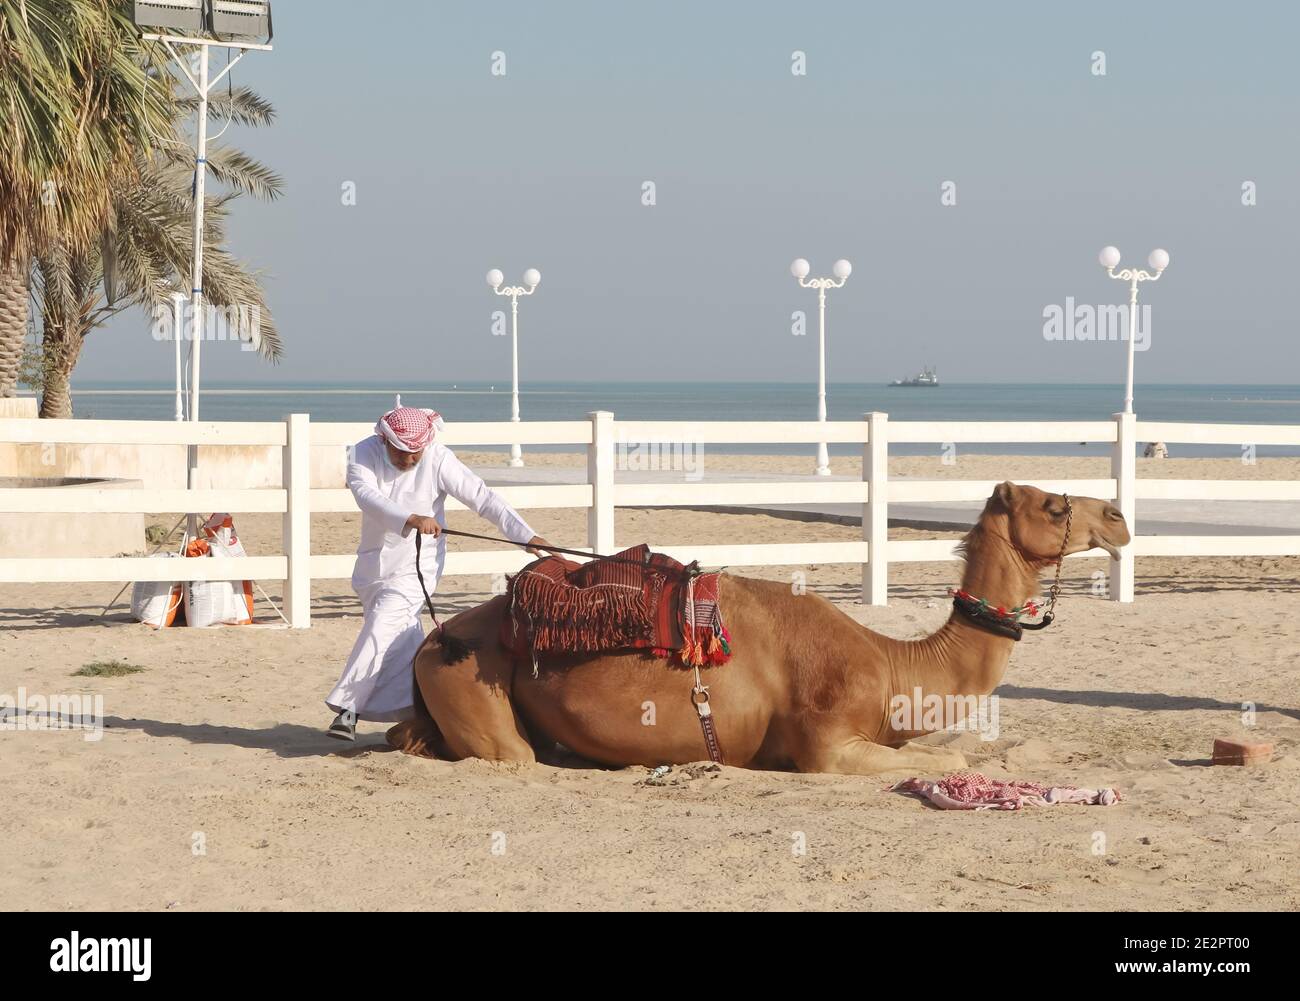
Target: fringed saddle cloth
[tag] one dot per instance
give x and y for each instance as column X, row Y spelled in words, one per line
column 633, row 600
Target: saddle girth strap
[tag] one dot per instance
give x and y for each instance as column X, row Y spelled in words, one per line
column 700, row 699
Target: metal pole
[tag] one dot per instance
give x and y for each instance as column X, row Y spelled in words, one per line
column 200, row 178
column 516, row 453
column 1132, row 341
column 823, row 457
column 178, row 334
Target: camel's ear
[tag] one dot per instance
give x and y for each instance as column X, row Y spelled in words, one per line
column 1005, row 492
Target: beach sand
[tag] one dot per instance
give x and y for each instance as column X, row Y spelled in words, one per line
column 213, row 785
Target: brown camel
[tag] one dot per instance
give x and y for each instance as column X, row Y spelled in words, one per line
column 807, row 688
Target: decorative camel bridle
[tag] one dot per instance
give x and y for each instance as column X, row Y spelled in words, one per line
column 1006, row 621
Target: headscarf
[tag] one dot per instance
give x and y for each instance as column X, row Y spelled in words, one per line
column 409, row 429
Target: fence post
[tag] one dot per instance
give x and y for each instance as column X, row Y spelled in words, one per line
column 296, row 481
column 875, row 512
column 1123, row 467
column 600, row 474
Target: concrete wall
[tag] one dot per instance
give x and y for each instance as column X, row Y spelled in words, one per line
column 162, row 467
column 57, row 535
column 18, row 406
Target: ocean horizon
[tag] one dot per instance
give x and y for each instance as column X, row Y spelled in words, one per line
column 472, row 401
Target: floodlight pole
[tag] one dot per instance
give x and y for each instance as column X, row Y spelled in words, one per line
column 178, row 332
column 202, row 87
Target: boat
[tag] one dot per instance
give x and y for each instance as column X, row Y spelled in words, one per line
column 927, row 378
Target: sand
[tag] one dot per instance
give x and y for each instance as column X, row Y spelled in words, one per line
column 213, row 785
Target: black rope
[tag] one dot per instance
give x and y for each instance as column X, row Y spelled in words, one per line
column 420, row 574
column 549, row 549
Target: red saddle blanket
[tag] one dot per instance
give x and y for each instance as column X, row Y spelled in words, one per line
column 635, row 599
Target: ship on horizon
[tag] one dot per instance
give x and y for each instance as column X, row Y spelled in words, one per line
column 927, row 378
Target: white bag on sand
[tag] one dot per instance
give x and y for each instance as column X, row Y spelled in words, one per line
column 156, row 602
column 218, row 602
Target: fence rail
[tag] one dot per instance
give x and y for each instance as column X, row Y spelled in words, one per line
column 605, row 441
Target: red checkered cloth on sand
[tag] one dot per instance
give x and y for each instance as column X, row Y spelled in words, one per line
column 975, row 791
column 633, row 600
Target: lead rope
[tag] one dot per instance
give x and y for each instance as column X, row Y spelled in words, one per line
column 420, row 575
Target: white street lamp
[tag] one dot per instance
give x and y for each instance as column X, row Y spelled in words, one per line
column 532, row 278
column 1158, row 261
column 842, row 269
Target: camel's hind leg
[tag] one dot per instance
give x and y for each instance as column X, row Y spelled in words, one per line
column 470, row 700
column 862, row 757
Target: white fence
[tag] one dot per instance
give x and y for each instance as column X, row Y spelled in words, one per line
column 296, row 501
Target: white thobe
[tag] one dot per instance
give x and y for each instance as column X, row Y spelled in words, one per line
column 377, row 682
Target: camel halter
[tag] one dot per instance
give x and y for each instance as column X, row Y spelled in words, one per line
column 1006, row 621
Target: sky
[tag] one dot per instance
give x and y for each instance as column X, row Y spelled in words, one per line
column 457, row 169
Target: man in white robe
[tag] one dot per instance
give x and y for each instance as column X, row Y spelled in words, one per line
column 401, row 479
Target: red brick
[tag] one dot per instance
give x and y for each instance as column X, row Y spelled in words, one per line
column 1241, row 752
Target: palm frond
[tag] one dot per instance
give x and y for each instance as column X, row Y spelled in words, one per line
column 242, row 172
column 244, row 107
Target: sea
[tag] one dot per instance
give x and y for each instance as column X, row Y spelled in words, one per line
column 732, row 401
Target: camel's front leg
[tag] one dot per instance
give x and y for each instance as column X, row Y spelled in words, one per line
column 857, row 756
column 419, row 737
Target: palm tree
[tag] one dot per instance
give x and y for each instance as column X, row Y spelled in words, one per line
column 147, row 246
column 73, row 113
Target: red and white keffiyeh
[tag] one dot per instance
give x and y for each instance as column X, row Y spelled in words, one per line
column 409, row 429
column 975, row 791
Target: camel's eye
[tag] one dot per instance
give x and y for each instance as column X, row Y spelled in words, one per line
column 1057, row 515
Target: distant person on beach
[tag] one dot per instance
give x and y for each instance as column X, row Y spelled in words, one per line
column 401, row 479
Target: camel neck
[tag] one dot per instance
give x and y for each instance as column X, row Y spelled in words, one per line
column 996, row 570
column 963, row 658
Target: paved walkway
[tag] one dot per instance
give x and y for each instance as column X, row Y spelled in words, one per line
column 1155, row 517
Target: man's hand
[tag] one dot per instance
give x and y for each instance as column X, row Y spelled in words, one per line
column 539, row 546
column 424, row 524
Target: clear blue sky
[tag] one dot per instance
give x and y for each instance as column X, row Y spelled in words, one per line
column 458, row 171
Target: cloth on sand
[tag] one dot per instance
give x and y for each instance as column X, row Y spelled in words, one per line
column 376, row 683
column 975, row 791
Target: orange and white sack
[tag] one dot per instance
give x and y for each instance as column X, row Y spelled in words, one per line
column 216, row 602
column 156, row 602
column 220, row 531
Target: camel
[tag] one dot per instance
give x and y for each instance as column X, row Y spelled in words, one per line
column 807, row 688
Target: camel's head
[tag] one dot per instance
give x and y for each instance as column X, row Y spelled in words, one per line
column 1036, row 522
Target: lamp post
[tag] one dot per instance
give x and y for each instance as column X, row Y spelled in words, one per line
column 1158, row 261
column 532, row 278
column 841, row 270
